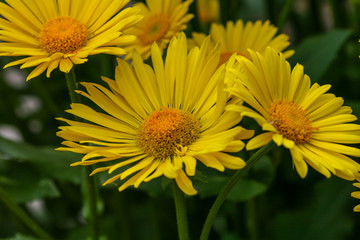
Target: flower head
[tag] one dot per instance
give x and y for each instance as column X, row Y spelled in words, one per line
column 208, row 10
column 239, row 37
column 158, row 121
column 59, row 33
column 312, row 124
column 163, row 19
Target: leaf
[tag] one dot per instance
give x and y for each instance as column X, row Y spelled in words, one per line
column 264, row 171
column 19, row 236
column 316, row 53
column 24, row 183
column 246, row 189
column 52, row 163
column 325, row 217
column 230, row 236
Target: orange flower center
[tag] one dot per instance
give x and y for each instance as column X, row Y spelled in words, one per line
column 166, row 132
column 153, row 28
column 63, row 34
column 291, row 121
column 224, row 57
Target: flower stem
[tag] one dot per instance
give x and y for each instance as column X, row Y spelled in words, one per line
column 90, row 185
column 15, row 208
column 180, row 213
column 284, row 14
column 252, row 219
column 72, row 86
column 228, row 187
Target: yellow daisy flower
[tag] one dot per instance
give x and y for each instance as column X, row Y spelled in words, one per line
column 356, row 194
column 239, row 37
column 61, row 33
column 156, row 121
column 208, row 10
column 312, row 124
column 163, row 19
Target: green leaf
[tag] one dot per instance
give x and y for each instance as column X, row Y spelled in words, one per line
column 52, row 163
column 24, row 183
column 246, row 189
column 316, row 53
column 230, row 236
column 263, row 171
column 327, row 216
column 19, row 236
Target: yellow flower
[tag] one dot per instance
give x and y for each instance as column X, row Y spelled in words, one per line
column 163, row 19
column 356, row 194
column 208, row 10
column 312, row 124
column 238, row 38
column 158, row 121
column 61, row 33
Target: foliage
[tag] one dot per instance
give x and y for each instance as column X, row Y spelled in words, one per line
column 271, row 202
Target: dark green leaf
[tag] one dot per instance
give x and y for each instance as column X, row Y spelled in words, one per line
column 48, row 161
column 24, row 183
column 246, row 189
column 326, row 217
column 19, row 236
column 264, row 171
column 317, row 52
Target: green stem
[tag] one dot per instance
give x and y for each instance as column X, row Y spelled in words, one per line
column 270, row 10
column 284, row 14
column 339, row 13
column 180, row 213
column 252, row 219
column 15, row 208
column 228, row 187
column 90, row 185
column 154, row 201
column 356, row 18
column 72, row 86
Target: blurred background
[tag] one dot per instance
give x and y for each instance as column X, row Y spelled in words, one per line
column 271, row 203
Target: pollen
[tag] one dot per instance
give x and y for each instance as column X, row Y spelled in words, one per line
column 167, row 132
column 291, row 121
column 153, row 28
column 63, row 34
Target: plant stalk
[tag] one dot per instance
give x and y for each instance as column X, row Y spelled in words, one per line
column 90, row 185
column 181, row 216
column 284, row 14
column 228, row 187
column 24, row 217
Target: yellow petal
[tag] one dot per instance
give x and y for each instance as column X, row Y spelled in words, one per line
column 185, row 183
column 37, row 71
column 278, row 139
column 190, row 165
column 300, row 165
column 259, row 141
column 210, row 160
column 65, row 65
column 229, row 161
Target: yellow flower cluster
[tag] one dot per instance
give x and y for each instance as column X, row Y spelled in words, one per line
column 165, row 117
